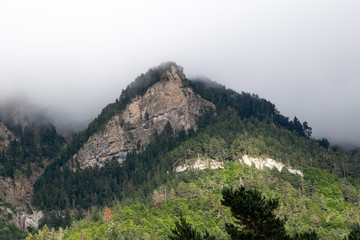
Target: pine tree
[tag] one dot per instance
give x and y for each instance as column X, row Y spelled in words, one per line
column 184, row 231
column 354, row 232
column 255, row 215
column 311, row 235
column 256, row 218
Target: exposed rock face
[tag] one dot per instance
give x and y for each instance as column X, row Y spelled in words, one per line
column 200, row 164
column 165, row 101
column 112, row 142
column 16, row 192
column 25, row 219
column 268, row 162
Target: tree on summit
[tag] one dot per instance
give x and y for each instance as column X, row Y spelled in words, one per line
column 307, row 130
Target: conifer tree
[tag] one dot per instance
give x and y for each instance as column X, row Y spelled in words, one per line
column 255, row 215
column 354, row 232
column 256, row 218
column 184, row 231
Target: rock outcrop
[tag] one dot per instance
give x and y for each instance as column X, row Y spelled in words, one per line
column 16, row 192
column 24, row 220
column 200, row 164
column 165, row 101
column 261, row 163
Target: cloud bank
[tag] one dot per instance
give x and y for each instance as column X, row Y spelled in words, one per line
column 74, row 57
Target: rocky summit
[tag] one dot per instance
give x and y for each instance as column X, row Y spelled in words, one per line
column 167, row 100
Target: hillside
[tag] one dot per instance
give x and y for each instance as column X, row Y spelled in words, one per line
column 28, row 141
column 168, row 145
column 317, row 199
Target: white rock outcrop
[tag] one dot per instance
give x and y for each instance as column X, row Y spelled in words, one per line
column 25, row 219
column 261, row 163
column 200, row 164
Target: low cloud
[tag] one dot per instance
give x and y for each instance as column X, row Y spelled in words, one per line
column 73, row 58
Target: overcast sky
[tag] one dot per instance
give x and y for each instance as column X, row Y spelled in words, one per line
column 74, row 57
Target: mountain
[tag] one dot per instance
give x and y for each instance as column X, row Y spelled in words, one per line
column 161, row 102
column 168, row 145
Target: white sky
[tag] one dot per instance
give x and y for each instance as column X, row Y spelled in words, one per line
column 74, row 57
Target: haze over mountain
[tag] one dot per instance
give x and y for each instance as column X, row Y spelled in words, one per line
column 75, row 57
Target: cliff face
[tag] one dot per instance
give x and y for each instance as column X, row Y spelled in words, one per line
column 18, row 193
column 165, row 101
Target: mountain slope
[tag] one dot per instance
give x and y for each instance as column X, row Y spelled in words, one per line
column 318, row 199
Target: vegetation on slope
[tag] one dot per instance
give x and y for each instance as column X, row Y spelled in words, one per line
column 247, row 105
column 10, row 231
column 196, row 195
column 31, row 146
column 325, row 200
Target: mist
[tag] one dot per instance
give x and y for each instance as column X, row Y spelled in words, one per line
column 74, row 57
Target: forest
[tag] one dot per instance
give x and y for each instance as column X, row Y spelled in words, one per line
column 326, row 199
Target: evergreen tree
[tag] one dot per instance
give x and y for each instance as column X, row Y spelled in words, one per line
column 255, row 215
column 312, row 235
column 184, row 231
column 354, row 232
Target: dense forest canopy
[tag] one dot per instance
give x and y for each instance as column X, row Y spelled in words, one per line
column 29, row 145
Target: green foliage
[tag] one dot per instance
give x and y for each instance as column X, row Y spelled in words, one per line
column 329, row 205
column 254, row 213
column 311, row 235
column 245, row 105
column 32, row 145
column 184, row 230
column 10, row 231
column 354, row 232
column 197, row 196
column 327, row 183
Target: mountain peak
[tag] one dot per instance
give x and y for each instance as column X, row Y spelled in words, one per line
column 150, row 102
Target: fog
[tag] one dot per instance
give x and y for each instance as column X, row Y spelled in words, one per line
column 74, row 57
